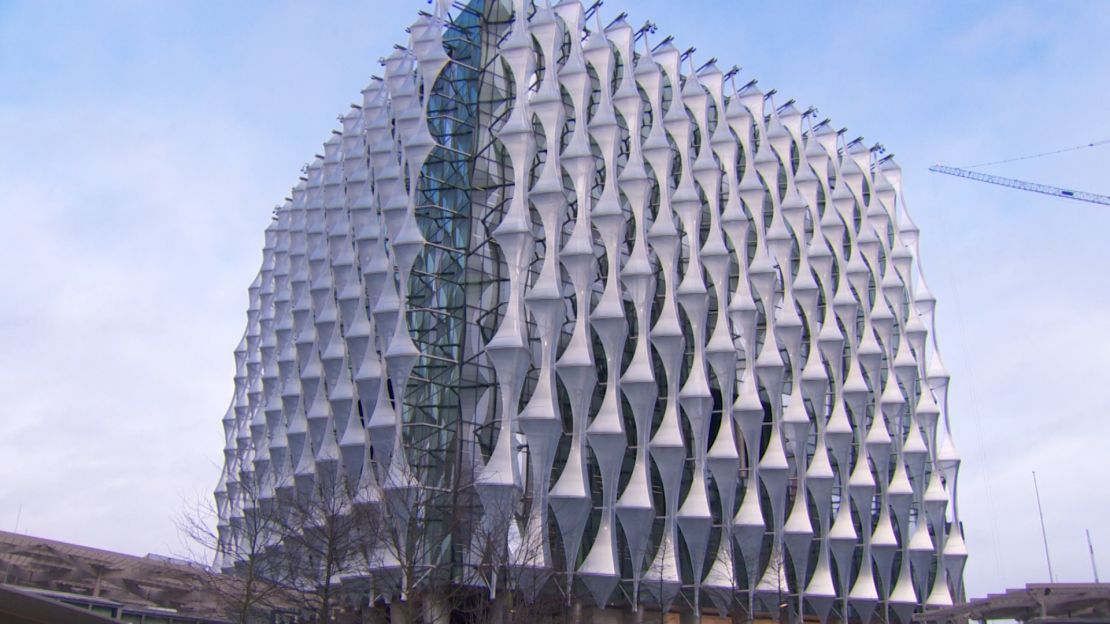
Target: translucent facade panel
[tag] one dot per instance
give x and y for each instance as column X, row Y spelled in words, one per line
column 638, row 329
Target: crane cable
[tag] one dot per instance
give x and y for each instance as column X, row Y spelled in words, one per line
column 1031, row 156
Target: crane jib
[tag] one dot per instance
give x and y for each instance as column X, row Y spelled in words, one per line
column 1021, row 184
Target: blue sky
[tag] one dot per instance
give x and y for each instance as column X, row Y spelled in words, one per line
column 142, row 146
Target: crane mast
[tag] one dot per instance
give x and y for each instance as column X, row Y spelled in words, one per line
column 1022, row 185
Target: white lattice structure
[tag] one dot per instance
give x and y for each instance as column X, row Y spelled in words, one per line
column 674, row 336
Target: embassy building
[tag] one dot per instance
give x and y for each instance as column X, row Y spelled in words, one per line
column 580, row 313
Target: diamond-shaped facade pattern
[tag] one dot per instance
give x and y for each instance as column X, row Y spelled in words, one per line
column 670, row 334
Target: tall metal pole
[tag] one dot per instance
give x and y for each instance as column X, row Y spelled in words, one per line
column 1044, row 534
column 1091, row 549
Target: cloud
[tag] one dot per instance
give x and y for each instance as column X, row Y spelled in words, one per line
column 142, row 151
column 116, row 255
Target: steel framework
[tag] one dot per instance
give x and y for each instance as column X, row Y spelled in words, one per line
column 672, row 341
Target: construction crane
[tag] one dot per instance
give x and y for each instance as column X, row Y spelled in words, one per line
column 1028, row 186
column 1022, row 185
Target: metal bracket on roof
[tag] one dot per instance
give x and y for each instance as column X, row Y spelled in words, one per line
column 465, row 8
column 590, row 10
column 648, row 27
column 618, row 18
column 665, row 41
column 711, row 61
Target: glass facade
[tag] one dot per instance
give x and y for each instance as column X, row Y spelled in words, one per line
column 577, row 318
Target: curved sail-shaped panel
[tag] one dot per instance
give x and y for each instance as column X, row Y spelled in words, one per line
column 560, row 296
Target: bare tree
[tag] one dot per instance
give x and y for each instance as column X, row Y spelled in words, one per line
column 514, row 561
column 654, row 578
column 243, row 570
column 409, row 539
column 320, row 538
column 726, row 584
column 427, row 554
column 444, row 555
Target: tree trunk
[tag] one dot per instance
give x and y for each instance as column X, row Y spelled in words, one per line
column 496, row 611
column 399, row 612
column 374, row 615
column 436, row 610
